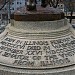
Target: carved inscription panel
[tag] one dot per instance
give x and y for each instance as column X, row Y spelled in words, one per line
column 46, row 53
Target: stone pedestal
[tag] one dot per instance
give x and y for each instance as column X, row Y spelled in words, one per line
column 38, row 48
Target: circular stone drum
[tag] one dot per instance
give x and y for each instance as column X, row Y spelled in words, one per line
column 38, row 46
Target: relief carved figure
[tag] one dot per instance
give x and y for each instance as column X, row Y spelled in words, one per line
column 31, row 4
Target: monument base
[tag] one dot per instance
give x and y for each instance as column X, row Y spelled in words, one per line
column 61, row 71
column 43, row 52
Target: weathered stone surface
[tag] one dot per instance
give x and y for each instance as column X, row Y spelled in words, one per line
column 38, row 48
column 35, row 54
